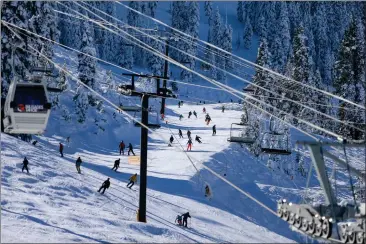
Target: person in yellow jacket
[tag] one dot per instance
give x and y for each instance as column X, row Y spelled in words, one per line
column 133, row 179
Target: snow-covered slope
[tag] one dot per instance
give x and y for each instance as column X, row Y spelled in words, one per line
column 55, row 204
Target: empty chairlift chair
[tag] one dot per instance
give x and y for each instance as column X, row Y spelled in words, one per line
column 152, row 125
column 27, row 108
column 274, row 142
column 242, row 133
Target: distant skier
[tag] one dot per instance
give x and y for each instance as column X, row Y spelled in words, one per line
column 78, row 163
column 198, row 139
column 204, row 110
column 122, row 148
column 116, row 164
column 214, row 130
column 194, row 113
column 61, row 149
column 132, row 179
column 189, row 134
column 171, row 140
column 25, row 165
column 180, row 133
column 185, row 218
column 223, row 108
column 180, row 117
column 179, row 220
column 208, row 119
column 162, row 116
column 178, row 104
column 189, row 114
column 130, row 149
column 207, row 191
column 34, row 142
column 68, row 139
column 189, row 143
column 105, row 186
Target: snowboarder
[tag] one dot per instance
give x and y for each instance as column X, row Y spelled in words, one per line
column 122, row 148
column 223, row 108
column 180, row 117
column 116, row 164
column 189, row 134
column 130, row 149
column 185, row 218
column 189, row 114
column 198, row 139
column 132, row 179
column 189, row 143
column 78, row 163
column 171, row 140
column 178, row 104
column 104, row 186
column 180, row 133
column 178, row 219
column 194, row 113
column 25, row 165
column 214, row 130
column 204, row 110
column 61, row 149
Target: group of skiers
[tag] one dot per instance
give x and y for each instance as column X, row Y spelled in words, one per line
column 183, row 217
column 190, row 114
column 122, row 147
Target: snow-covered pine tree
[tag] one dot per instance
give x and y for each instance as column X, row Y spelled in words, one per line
column 133, row 19
column 155, row 63
column 87, row 70
column 301, row 73
column 240, row 11
column 349, row 79
column 282, row 38
column 227, row 45
column 208, row 9
column 110, row 40
column 70, row 28
column 152, row 5
column 247, row 33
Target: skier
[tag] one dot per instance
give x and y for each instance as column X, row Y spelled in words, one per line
column 132, row 179
column 34, row 143
column 116, row 164
column 78, row 163
column 162, row 116
column 207, row 191
column 61, row 149
column 68, row 139
column 104, row 186
column 130, row 149
column 214, row 130
column 223, row 108
column 25, row 165
column 185, row 218
column 178, row 219
column 208, row 119
column 171, row 140
column 178, row 104
column 180, row 133
column 194, row 113
column 204, row 110
column 180, row 117
column 189, row 143
column 189, row 114
column 189, row 134
column 122, row 148
column 198, row 139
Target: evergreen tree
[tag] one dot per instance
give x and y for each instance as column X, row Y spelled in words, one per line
column 240, row 11
column 70, row 28
column 248, row 33
column 349, row 79
column 152, row 5
column 208, row 9
column 155, row 63
column 227, row 45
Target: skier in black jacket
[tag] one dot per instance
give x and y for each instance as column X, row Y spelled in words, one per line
column 171, row 140
column 180, row 133
column 198, row 139
column 189, row 134
column 130, row 149
column 25, row 165
column 195, row 114
column 214, row 130
column 105, row 186
column 189, row 114
column 185, row 218
column 116, row 164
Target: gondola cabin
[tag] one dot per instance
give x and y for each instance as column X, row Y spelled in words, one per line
column 26, row 109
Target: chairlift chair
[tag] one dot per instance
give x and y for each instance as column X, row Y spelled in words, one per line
column 27, row 108
column 151, row 125
column 247, row 133
column 274, row 142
